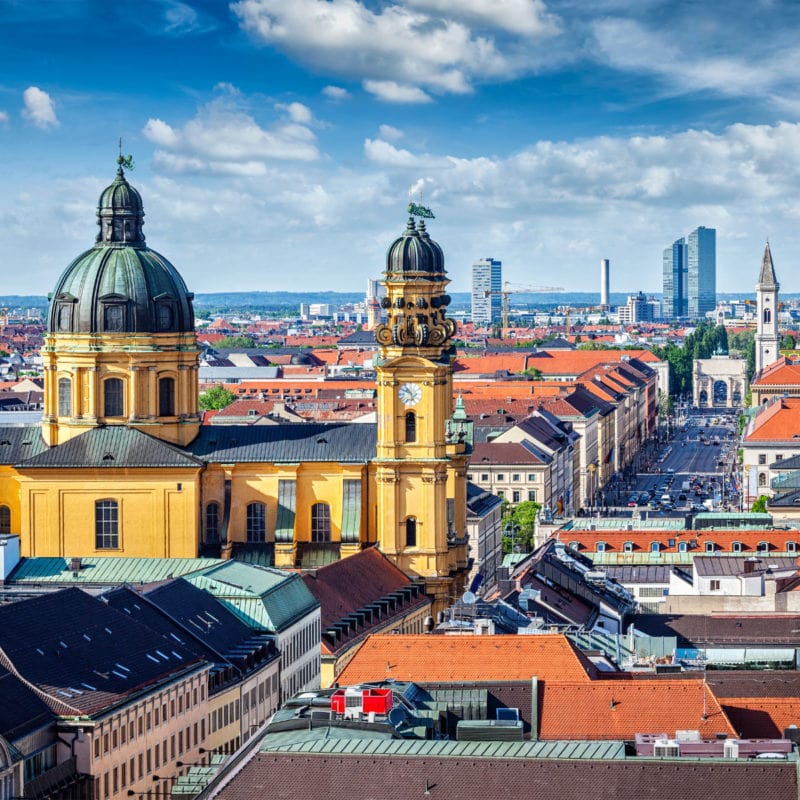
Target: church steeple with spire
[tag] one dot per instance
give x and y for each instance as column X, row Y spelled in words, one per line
column 767, row 339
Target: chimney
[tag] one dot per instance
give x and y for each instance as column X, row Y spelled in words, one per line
column 750, row 565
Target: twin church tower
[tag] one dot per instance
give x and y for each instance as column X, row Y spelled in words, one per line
column 124, row 467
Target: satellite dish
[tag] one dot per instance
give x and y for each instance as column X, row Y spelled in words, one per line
column 468, row 598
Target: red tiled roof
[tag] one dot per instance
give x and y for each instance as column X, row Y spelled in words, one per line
column 461, row 659
column 780, row 373
column 779, row 421
column 762, row 717
column 621, row 709
column 501, row 453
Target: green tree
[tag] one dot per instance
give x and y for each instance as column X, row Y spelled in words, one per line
column 759, row 505
column 533, row 373
column 788, row 342
column 215, row 398
column 519, row 525
column 235, row 343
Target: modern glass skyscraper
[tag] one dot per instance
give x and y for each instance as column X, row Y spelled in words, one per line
column 674, row 300
column 702, row 270
column 690, row 275
column 487, row 288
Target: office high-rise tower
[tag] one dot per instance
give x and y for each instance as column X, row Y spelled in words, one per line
column 690, row 275
column 605, row 269
column 675, row 280
column 487, row 288
column 701, row 268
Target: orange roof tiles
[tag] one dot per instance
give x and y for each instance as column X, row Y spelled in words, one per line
column 464, row 659
column 780, row 373
column 762, row 717
column 779, row 421
column 621, row 709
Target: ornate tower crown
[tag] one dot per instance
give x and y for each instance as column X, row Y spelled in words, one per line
column 415, row 280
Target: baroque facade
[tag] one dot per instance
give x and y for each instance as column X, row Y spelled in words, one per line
column 122, row 466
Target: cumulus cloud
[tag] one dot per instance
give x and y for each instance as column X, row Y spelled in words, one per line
column 3, row 118
column 224, row 139
column 336, row 93
column 525, row 17
column 397, row 51
column 390, row 133
column 393, row 92
column 38, row 108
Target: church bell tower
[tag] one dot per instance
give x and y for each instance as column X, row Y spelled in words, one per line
column 421, row 473
column 767, row 338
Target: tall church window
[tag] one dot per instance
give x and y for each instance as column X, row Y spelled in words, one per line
column 166, row 397
column 5, row 519
column 411, row 532
column 64, row 397
column 212, row 522
column 113, row 318
column 320, row 522
column 106, row 524
column 256, row 522
column 767, row 315
column 411, row 427
column 113, row 405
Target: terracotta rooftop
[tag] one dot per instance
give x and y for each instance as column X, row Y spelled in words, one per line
column 621, row 709
column 462, row 659
column 762, row 717
column 779, row 421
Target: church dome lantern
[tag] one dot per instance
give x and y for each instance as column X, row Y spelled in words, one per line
column 414, row 255
column 120, row 285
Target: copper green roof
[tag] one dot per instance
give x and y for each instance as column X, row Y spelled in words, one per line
column 109, row 570
column 265, row 598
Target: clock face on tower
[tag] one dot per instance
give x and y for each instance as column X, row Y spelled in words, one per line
column 409, row 394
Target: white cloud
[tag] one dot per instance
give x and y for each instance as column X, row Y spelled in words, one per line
column 3, row 118
column 393, row 92
column 224, row 139
column 390, row 133
column 336, row 93
column 297, row 112
column 393, row 47
column 524, row 17
column 38, row 108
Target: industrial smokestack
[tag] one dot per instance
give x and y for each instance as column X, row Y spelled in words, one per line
column 605, row 270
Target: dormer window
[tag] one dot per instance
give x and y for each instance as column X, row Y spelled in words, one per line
column 113, row 318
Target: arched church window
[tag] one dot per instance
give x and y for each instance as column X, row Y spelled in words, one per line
column 212, row 522
column 411, row 427
column 5, row 519
column 106, row 524
column 65, row 316
column 113, row 405
column 320, row 522
column 164, row 317
column 166, row 397
column 762, row 478
column 256, row 522
column 64, row 397
column 411, row 532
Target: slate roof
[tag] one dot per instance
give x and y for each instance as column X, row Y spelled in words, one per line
column 462, row 659
column 19, row 443
column 289, row 443
column 503, row 454
column 754, row 683
column 112, row 447
column 366, row 775
column 21, row 709
column 85, row 655
column 727, row 566
column 618, row 709
column 479, row 501
column 646, row 573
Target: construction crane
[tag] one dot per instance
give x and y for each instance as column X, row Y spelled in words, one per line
column 518, row 288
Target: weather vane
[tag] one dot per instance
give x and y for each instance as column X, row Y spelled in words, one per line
column 124, row 161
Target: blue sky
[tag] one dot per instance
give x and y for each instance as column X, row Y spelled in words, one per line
column 277, row 142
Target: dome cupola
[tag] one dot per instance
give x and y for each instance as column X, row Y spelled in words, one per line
column 415, row 255
column 120, row 285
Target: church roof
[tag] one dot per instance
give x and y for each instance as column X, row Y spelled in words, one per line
column 767, row 279
column 112, row 447
column 20, row 443
column 290, row 443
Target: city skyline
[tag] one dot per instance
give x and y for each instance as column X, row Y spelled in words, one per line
column 548, row 134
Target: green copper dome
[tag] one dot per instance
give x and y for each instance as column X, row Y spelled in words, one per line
column 120, row 285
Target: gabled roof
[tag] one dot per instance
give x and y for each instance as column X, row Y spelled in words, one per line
column 354, row 582
column 22, row 711
column 111, row 447
column 287, row 443
column 779, row 421
column 504, row 453
column 264, row 598
column 85, row 655
column 781, row 372
column 463, row 659
column 619, row 709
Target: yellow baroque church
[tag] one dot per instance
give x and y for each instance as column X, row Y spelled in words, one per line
column 121, row 465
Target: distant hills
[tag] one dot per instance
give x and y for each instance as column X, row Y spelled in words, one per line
column 244, row 301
